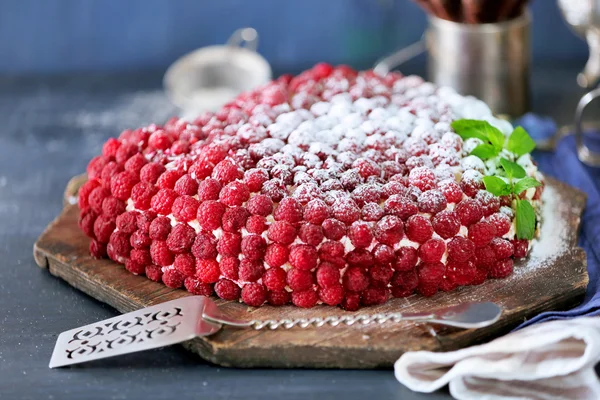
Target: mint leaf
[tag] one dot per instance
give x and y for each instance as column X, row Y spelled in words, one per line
column 525, row 220
column 496, row 186
column 520, row 142
column 524, row 184
column 512, row 169
column 495, row 137
column 484, row 151
column 470, row 128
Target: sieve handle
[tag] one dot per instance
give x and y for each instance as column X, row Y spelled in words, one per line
column 244, row 37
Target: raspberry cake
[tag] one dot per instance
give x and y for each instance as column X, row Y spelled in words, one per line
column 332, row 187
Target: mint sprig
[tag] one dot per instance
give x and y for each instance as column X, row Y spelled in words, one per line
column 519, row 142
column 512, row 169
column 525, row 216
column 492, row 138
column 524, row 184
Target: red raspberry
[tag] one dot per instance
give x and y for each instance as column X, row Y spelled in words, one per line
column 110, row 147
column 96, row 167
column 332, row 252
column 485, row 256
column 461, row 273
column 96, row 198
column 346, row 210
column 154, row 272
column 256, row 224
column 489, row 203
column 254, row 247
column 274, row 279
column 481, row 274
column 289, row 210
column 299, row 280
column 204, row 246
column 351, row 302
column 201, row 169
column 151, row 172
column 360, row 234
column 481, row 233
column 276, row 255
column 471, row 182
column 328, row 275
column 172, row 278
column 112, row 207
column 418, row 228
column 447, row 284
column 207, row 270
column 501, row 222
column 366, row 193
column 234, row 194
column 103, row 228
column 501, row 269
column 168, row 179
column 372, row 212
column 141, row 195
column 140, row 240
column 275, row 189
column 360, row 258
column 186, row 185
column 229, row 244
column 260, row 204
column 185, row 264
column 160, row 228
column 303, row 256
column 229, row 267
column 110, row 169
column 163, row 200
column 209, row 189
column 225, row 172
column 125, row 151
column 383, row 254
column 521, row 246
column 195, row 287
column 135, row 267
column 209, row 215
column 160, row 253
column 460, row 249
column 400, row 206
column 306, row 299
column 144, row 220
column 366, row 167
column 468, row 211
column 381, row 275
column 180, row 147
column 234, row 219
column 126, row 222
column 250, row 270
column 122, row 183
column 432, row 201
column 282, row 232
column 160, row 140
column 185, row 208
column 316, row 211
column 430, row 274
column 451, row 191
column 135, row 164
column 389, row 230
column 181, row 238
column 97, row 249
column 446, row 224
column 227, row 290
column 406, row 259
column 423, row 178
column 86, row 222
column 374, row 295
column 278, row 298
column 322, row 70
column 311, row 234
column 405, row 282
column 84, row 193
column 355, row 279
column 255, row 178
column 432, row 250
column 254, row 294
column 332, row 295
column 334, row 229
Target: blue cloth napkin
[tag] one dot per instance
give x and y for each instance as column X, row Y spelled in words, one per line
column 564, row 165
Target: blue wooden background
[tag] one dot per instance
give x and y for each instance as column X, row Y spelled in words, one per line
column 58, row 36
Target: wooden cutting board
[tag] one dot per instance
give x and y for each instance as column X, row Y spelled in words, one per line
column 554, row 277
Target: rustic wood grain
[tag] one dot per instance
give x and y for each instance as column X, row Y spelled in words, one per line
column 63, row 249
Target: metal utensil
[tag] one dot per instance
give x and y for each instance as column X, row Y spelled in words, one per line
column 189, row 317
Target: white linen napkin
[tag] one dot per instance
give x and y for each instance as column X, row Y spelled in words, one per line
column 549, row 361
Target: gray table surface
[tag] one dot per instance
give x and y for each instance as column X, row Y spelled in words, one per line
column 49, row 129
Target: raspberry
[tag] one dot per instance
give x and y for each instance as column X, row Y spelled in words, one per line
column 316, row 211
column 141, row 195
column 521, row 246
column 96, row 198
column 460, row 249
column 154, row 272
column 471, row 182
column 345, row 210
column 254, row 294
column 446, row 224
column 225, row 172
column 140, row 240
column 406, row 259
column 366, row 193
column 185, row 264
column 186, row 185
column 135, row 267
column 160, row 140
column 84, row 193
column 96, row 167
column 418, row 228
column 328, row 275
column 360, row 234
column 86, row 222
column 209, row 215
column 447, row 284
column 374, row 295
column 103, row 228
column 451, row 191
column 423, row 178
column 260, row 204
column 227, row 290
column 256, row 224
column 195, row 287
column 110, row 147
column 275, row 189
column 360, row 258
column 125, row 151
column 181, row 238
column 430, row 274
column 468, row 211
column 334, row 229
column 126, row 222
column 254, row 247
column 234, row 219
column 255, row 178
column 481, row 233
column 204, row 246
column 97, row 249
column 306, row 299
column 432, row 250
column 383, row 254
column 168, row 179
column 311, row 234
column 274, row 279
column 432, row 201
column 172, row 278
column 229, row 244
column 461, row 273
column 372, row 212
column 405, row 282
column 112, row 207
column 332, row 295
column 234, row 194
column 303, row 256
column 355, row 279
column 389, row 230
column 276, row 255
column 185, row 208
column 229, row 267
column 489, row 203
column 501, row 269
column 400, row 206
column 209, row 189
column 207, row 270
column 381, row 275
column 351, row 302
column 299, row 280
column 501, row 222
column 332, row 252
column 282, row 232
column 163, row 200
column 110, row 169
column 122, row 183
column 151, row 172
column 135, row 164
column 160, row 253
column 278, row 298
column 289, row 210
column 159, row 228
column 201, row 169
column 250, row 270
column 144, row 220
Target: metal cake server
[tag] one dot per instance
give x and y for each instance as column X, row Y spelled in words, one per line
column 195, row 316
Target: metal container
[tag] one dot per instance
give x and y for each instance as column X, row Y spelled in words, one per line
column 489, row 61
